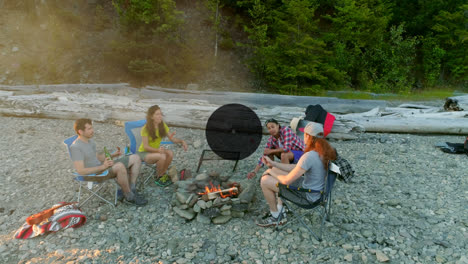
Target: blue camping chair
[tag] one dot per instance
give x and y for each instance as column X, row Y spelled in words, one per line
column 293, row 199
column 87, row 182
column 133, row 131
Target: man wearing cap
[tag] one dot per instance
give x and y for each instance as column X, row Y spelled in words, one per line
column 313, row 165
column 283, row 143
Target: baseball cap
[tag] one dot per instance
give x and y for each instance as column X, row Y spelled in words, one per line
column 313, row 129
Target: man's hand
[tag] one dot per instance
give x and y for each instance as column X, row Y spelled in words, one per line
column 108, row 163
column 267, row 161
column 251, row 174
column 267, row 151
column 117, row 153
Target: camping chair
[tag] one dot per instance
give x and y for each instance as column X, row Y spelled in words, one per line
column 293, row 199
column 89, row 183
column 133, row 129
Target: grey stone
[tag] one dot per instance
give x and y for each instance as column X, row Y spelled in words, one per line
column 222, row 219
column 182, row 197
column 203, row 177
column 247, row 194
column 237, row 214
column 203, row 219
column 226, row 207
column 201, row 204
column 196, row 208
column 187, row 214
column 381, row 257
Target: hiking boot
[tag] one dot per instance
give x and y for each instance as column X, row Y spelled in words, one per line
column 120, row 195
column 272, row 221
column 136, row 200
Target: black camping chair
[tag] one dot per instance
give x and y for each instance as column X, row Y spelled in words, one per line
column 294, row 198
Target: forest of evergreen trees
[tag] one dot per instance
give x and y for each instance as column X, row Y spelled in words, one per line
column 307, row 46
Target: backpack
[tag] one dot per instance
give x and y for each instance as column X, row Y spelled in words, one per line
column 346, row 171
column 60, row 216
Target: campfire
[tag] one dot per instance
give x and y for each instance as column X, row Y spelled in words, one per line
column 211, row 198
column 212, row 192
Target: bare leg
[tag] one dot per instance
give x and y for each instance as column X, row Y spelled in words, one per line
column 122, row 177
column 169, row 156
column 134, row 164
column 269, row 189
column 287, row 157
column 159, row 159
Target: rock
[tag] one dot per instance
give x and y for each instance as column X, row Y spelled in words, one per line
column 462, row 260
column 202, row 177
column 283, row 251
column 348, row 257
column 197, row 144
column 226, row 212
column 203, row 219
column 381, row 257
column 182, row 197
column 196, row 208
column 237, row 214
column 201, row 204
column 187, row 214
column 222, row 219
column 225, row 207
column 247, row 194
column 14, row 49
column 214, row 174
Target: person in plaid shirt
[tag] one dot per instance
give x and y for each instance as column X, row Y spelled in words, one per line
column 283, row 143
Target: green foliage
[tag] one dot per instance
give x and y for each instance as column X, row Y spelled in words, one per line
column 452, row 35
column 287, row 51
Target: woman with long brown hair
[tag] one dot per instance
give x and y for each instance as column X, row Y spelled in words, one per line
column 313, row 165
column 152, row 133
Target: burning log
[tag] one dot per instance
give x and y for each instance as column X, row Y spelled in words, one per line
column 223, row 193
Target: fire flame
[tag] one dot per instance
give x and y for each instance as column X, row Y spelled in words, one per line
column 218, row 189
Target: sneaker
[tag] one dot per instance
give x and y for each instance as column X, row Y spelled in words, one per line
column 163, row 181
column 137, row 200
column 271, row 221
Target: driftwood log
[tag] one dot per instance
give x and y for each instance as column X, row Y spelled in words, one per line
column 182, row 108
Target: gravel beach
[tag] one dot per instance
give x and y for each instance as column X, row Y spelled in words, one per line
column 408, row 203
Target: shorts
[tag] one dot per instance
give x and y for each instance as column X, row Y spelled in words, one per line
column 297, row 155
column 125, row 160
column 302, row 199
column 142, row 155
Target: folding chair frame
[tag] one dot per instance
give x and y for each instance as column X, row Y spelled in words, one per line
column 134, row 145
column 323, row 204
column 202, row 158
column 82, row 180
column 99, row 185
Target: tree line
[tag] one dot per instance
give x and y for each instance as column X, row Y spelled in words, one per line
column 306, row 46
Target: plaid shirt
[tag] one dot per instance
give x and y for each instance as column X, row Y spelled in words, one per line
column 288, row 140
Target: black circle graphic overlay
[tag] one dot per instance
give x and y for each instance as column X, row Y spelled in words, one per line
column 233, row 131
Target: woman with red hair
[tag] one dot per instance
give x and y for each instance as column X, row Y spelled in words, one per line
column 313, row 165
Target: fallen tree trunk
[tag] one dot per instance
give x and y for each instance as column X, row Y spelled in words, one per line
column 252, row 100
column 191, row 113
column 194, row 112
